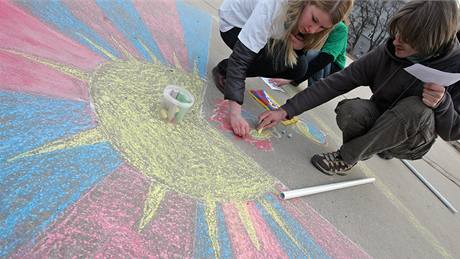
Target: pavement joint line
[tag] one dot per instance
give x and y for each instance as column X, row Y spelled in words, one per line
column 441, row 170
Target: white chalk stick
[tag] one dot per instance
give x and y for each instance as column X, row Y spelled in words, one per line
column 323, row 188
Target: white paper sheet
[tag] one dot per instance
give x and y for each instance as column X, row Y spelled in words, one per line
column 272, row 86
column 430, row 75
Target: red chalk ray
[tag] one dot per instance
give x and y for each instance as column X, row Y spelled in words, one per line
column 170, row 234
column 101, row 224
column 27, row 34
column 163, row 20
column 241, row 243
column 20, row 74
column 89, row 12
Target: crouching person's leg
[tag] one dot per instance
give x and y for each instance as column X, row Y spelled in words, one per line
column 419, row 143
column 405, row 131
column 355, row 117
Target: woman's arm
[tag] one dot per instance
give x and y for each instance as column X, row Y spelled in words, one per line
column 238, row 63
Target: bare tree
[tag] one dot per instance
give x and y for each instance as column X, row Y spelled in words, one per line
column 370, row 18
column 358, row 19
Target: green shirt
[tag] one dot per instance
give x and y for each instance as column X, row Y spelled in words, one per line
column 336, row 44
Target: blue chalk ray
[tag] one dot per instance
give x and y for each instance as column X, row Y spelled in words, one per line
column 31, row 121
column 203, row 244
column 56, row 14
column 224, row 239
column 40, row 188
column 197, row 31
column 129, row 22
column 35, row 190
column 301, row 235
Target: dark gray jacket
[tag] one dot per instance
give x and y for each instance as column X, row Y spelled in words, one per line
column 383, row 72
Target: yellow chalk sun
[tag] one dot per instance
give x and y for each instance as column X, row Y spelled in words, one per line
column 191, row 158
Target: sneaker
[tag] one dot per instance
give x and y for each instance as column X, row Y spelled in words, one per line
column 331, row 163
column 219, row 79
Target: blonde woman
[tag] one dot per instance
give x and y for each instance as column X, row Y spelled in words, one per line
column 267, row 38
column 404, row 115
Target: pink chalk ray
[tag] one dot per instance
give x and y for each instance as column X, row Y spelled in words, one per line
column 24, row 33
column 101, row 224
column 22, row 75
column 242, row 245
column 162, row 18
column 89, row 13
column 171, row 233
column 32, row 37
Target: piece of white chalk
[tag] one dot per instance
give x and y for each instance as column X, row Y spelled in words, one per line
column 323, row 188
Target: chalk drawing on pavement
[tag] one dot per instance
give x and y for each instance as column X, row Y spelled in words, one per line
column 89, row 169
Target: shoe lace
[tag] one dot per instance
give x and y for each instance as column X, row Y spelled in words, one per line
column 335, row 162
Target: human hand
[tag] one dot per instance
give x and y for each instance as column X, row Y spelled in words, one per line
column 270, row 119
column 279, row 81
column 432, row 94
column 239, row 125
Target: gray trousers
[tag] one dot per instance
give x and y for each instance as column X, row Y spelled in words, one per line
column 406, row 131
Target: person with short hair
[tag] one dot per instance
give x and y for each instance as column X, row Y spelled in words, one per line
column 404, row 115
column 267, row 37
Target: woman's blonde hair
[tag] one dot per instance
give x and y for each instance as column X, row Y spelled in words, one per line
column 282, row 49
column 426, row 25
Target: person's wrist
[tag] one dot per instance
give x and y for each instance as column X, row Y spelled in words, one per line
column 440, row 100
column 234, row 108
column 283, row 113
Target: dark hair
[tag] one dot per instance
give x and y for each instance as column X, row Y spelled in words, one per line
column 426, row 25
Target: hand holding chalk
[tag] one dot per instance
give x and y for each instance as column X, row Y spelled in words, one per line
column 259, row 131
column 270, row 119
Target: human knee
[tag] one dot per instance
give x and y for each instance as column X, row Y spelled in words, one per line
column 413, row 110
column 353, row 112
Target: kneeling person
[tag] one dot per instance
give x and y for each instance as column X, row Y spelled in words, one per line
column 404, row 115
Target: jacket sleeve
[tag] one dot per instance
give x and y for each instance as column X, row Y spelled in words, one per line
column 447, row 114
column 359, row 73
column 238, row 64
